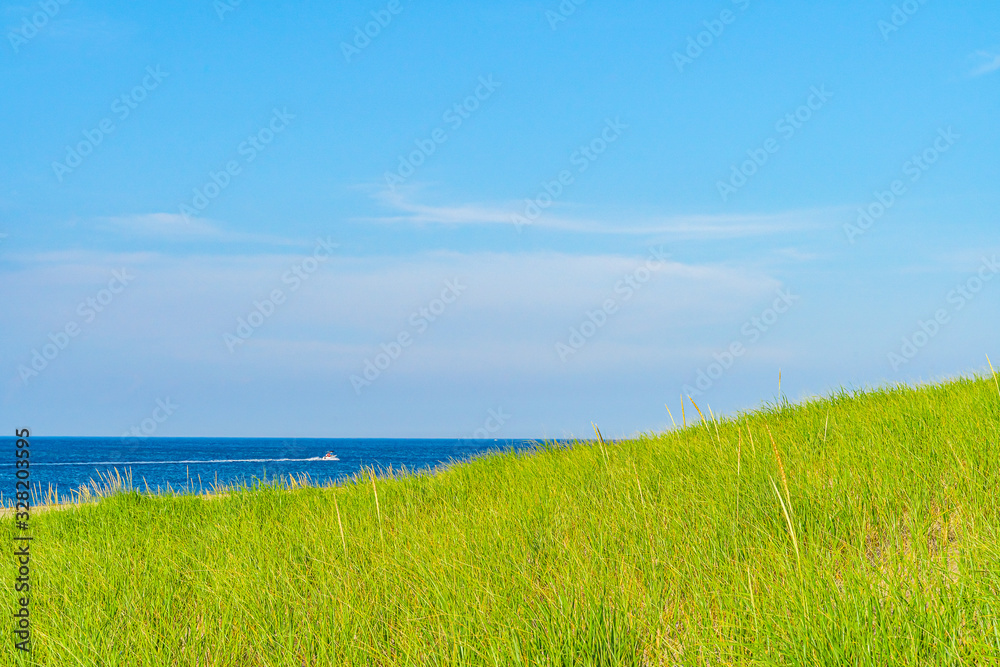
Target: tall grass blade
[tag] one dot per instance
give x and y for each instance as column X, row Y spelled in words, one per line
column 600, row 440
column 341, row 524
column 788, row 522
column 993, row 373
column 703, row 420
column 671, row 415
column 378, row 509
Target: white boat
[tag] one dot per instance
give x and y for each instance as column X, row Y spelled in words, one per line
column 329, row 456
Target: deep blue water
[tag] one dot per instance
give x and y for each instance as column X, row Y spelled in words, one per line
column 199, row 463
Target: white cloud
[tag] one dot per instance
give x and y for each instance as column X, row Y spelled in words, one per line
column 678, row 227
column 175, row 227
column 795, row 255
column 987, row 62
column 513, row 311
column 170, row 225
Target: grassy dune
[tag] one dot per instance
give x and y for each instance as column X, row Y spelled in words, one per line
column 865, row 533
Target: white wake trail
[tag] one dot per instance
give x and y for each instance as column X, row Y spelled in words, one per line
column 187, row 461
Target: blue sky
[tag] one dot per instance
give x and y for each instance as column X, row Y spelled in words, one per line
column 505, row 219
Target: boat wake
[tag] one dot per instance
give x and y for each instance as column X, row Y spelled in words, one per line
column 185, row 461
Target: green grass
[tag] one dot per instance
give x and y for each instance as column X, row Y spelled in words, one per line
column 872, row 541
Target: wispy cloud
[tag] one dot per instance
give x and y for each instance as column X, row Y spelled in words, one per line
column 987, row 61
column 516, row 307
column 679, row 227
column 174, row 227
column 169, row 225
column 795, row 254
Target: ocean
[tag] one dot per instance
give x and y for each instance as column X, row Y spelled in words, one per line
column 65, row 464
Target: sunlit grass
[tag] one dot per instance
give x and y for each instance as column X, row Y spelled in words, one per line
column 859, row 529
